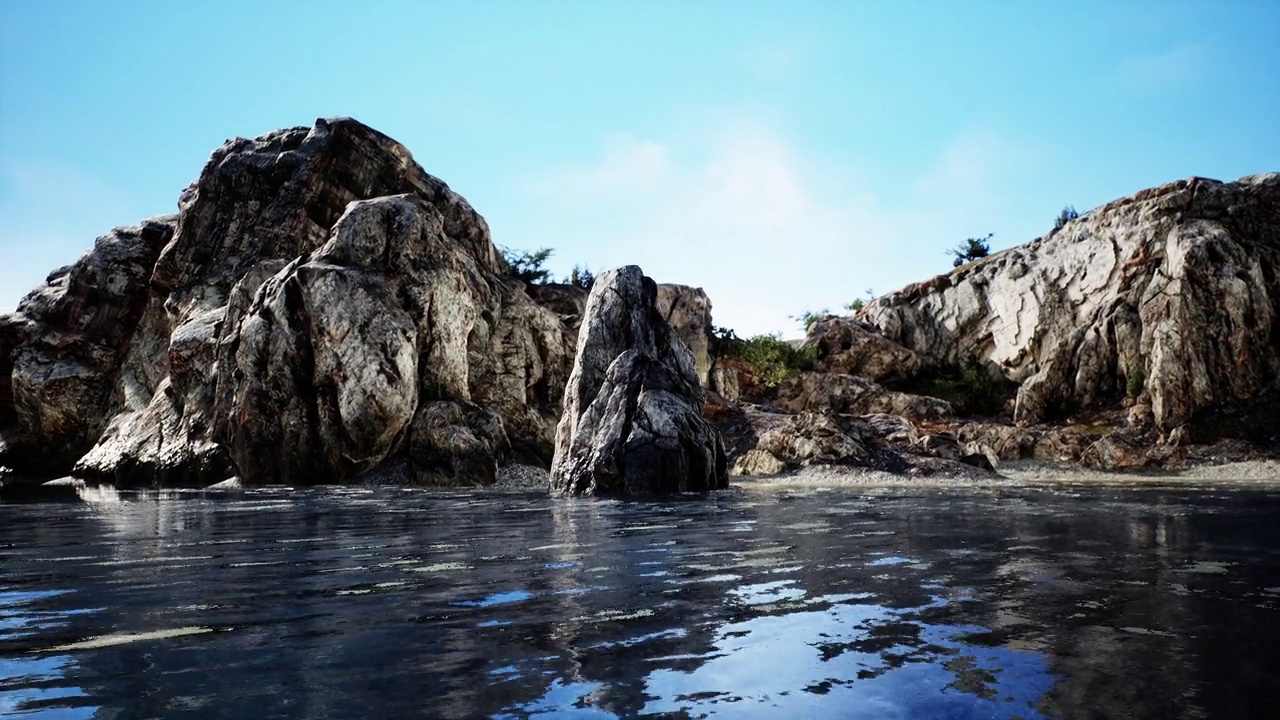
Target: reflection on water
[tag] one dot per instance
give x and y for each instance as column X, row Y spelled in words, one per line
column 857, row 604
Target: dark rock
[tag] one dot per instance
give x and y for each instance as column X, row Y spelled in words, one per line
column 632, row 420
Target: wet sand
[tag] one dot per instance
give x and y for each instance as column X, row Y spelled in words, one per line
column 1020, row 473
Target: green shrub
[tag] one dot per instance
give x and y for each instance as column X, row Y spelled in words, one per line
column 581, row 276
column 808, row 319
column 971, row 389
column 1067, row 215
column 527, row 266
column 971, row 250
column 769, row 358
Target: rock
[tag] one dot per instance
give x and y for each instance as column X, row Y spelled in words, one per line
column 848, row 347
column 817, row 391
column 891, row 429
column 726, row 382
column 317, row 293
column 456, row 444
column 66, row 344
column 1171, row 290
column 688, row 311
column 632, row 421
column 1006, row 442
column 815, row 438
column 943, row 445
column 758, row 462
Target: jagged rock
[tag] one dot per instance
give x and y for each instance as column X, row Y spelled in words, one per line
column 943, row 445
column 817, row 391
column 67, row 342
column 316, row 291
column 688, row 311
column 725, row 381
column 848, row 347
column 758, row 462
column 1007, row 442
column 632, row 419
column 456, row 444
column 1173, row 290
column 891, row 429
column 816, row 438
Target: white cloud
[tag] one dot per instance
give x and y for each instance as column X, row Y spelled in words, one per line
column 767, row 230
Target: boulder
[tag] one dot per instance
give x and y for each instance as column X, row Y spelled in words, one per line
column 1172, row 291
column 811, row 438
column 851, row 394
column 849, row 347
column 632, row 421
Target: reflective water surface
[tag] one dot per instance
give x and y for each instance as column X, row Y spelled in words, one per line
column 1151, row 603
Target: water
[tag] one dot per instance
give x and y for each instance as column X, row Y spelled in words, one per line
column 1095, row 603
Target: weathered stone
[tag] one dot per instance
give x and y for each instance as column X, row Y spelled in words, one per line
column 257, row 340
column 1174, row 290
column 67, row 342
column 758, row 462
column 688, row 311
column 456, row 444
column 849, row 347
column 1007, row 442
column 725, row 381
column 632, row 418
column 817, row 391
column 816, row 438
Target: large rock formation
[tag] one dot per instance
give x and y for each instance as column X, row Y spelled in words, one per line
column 1172, row 293
column 281, row 329
column 632, row 418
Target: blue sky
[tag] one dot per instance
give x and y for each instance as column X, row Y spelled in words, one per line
column 783, row 156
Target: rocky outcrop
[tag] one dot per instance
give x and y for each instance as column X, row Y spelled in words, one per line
column 65, row 347
column 852, row 394
column 632, row 421
column 1174, row 292
column 688, row 311
column 849, row 347
column 319, row 305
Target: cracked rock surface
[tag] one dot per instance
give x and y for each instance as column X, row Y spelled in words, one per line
column 1174, row 291
column 632, row 421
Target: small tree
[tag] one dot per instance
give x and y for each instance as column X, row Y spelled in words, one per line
column 581, row 276
column 808, row 319
column 859, row 303
column 971, row 249
column 1067, row 215
column 527, row 266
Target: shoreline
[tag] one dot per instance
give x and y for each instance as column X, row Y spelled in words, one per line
column 1021, row 474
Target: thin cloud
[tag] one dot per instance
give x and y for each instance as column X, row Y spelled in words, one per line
column 740, row 214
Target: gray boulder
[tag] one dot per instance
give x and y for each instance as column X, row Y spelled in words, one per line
column 632, row 421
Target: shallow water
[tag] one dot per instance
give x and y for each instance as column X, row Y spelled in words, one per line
column 938, row 603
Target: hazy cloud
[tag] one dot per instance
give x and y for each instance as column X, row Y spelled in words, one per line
column 767, row 230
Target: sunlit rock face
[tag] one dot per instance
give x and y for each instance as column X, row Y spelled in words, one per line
column 301, row 320
column 1172, row 292
column 632, row 421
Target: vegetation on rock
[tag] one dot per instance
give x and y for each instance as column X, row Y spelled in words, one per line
column 1067, row 215
column 769, row 358
column 970, row 388
column 970, row 250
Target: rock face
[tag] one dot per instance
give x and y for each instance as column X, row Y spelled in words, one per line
column 1174, row 292
column 632, row 421
column 318, row 306
column 688, row 311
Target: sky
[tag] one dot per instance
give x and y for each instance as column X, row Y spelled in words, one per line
column 785, row 157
